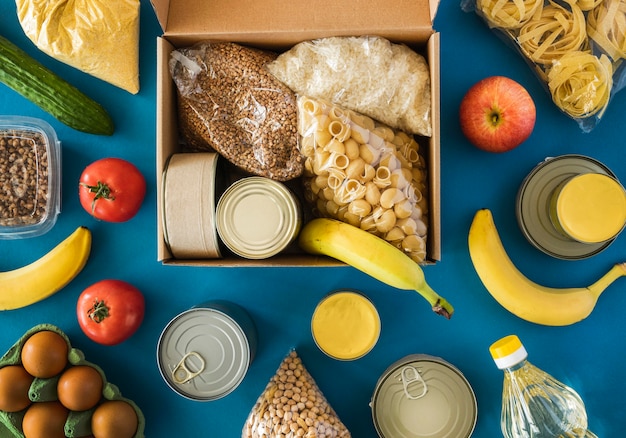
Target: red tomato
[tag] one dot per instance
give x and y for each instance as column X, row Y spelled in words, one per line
column 111, row 189
column 110, row 311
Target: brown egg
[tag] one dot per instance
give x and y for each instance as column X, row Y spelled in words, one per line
column 114, row 419
column 14, row 385
column 80, row 387
column 45, row 420
column 44, row 354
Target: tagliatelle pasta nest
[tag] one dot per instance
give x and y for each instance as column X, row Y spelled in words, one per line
column 364, row 173
column 576, row 47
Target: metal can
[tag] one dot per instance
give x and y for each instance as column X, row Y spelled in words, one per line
column 204, row 353
column 258, row 217
column 423, row 396
column 534, row 204
column 189, row 197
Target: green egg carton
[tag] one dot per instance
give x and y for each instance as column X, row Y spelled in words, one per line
column 78, row 424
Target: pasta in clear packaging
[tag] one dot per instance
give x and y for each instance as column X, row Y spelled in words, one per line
column 576, row 47
column 365, row 173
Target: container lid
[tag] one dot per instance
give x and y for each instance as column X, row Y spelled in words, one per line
column 203, row 354
column 32, row 205
column 591, row 208
column 533, row 206
column 345, row 325
column 423, row 396
column 257, row 217
column 508, row 352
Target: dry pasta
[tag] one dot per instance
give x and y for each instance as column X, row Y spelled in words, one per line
column 364, row 173
column 606, row 26
column 508, row 14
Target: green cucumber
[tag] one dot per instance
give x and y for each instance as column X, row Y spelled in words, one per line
column 50, row 92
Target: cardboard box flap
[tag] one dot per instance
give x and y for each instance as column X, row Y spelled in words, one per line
column 252, row 21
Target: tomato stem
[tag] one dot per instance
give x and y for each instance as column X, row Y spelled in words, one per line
column 102, row 191
column 99, row 311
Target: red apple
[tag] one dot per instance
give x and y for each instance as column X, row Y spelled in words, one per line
column 497, row 114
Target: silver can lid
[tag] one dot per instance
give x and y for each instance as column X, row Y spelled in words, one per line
column 257, row 217
column 203, row 354
column 423, row 396
column 533, row 206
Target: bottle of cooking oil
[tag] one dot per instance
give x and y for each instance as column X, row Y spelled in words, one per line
column 535, row 404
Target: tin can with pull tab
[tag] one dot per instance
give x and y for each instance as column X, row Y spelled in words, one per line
column 204, row 353
column 423, row 396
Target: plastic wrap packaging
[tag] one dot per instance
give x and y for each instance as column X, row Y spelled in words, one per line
column 365, row 173
column 228, row 102
column 577, row 48
column 99, row 37
column 387, row 82
column 292, row 406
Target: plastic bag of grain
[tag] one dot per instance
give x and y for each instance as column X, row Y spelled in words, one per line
column 293, row 406
column 228, row 102
column 388, row 82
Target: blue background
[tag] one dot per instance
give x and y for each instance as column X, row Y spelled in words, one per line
column 589, row 355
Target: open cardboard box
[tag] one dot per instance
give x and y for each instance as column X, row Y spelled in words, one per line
column 278, row 25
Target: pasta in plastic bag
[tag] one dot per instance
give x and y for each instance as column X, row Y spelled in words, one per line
column 576, row 47
column 370, row 75
column 291, row 406
column 228, row 102
column 363, row 172
column 98, row 37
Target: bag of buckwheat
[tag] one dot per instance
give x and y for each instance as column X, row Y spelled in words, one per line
column 293, row 406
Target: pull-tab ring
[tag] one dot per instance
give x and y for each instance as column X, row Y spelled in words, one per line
column 409, row 375
column 181, row 372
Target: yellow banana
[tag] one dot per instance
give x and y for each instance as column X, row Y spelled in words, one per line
column 517, row 293
column 46, row 275
column 371, row 255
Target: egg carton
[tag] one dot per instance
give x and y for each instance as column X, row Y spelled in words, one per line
column 78, row 424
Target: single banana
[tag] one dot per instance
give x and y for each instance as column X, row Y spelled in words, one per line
column 371, row 255
column 46, row 275
column 518, row 294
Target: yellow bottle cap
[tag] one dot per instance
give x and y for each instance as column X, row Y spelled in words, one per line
column 591, row 208
column 508, row 351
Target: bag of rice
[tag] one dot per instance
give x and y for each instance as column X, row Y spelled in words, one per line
column 388, row 82
column 293, row 406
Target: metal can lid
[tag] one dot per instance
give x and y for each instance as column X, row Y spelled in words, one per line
column 257, row 217
column 423, row 396
column 533, row 206
column 203, row 354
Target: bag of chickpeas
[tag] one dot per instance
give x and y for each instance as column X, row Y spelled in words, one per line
column 365, row 173
column 293, row 406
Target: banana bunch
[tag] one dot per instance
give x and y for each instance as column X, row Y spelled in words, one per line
column 371, row 255
column 518, row 294
column 46, row 275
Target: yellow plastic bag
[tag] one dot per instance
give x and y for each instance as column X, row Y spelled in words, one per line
column 99, row 37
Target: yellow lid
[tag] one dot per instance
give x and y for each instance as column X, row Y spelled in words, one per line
column 345, row 325
column 508, row 351
column 591, row 208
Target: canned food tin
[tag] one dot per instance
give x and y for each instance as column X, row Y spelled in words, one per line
column 533, row 206
column 258, row 217
column 189, row 187
column 345, row 325
column 204, row 353
column 422, row 396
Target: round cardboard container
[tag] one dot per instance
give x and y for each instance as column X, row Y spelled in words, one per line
column 258, row 217
column 422, row 396
column 533, row 206
column 204, row 353
column 189, row 186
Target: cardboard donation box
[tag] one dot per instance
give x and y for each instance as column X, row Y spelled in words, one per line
column 278, row 26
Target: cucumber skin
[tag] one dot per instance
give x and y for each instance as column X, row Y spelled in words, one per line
column 23, row 74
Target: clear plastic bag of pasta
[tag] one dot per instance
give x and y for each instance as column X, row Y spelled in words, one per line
column 576, row 47
column 364, row 173
column 292, row 406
